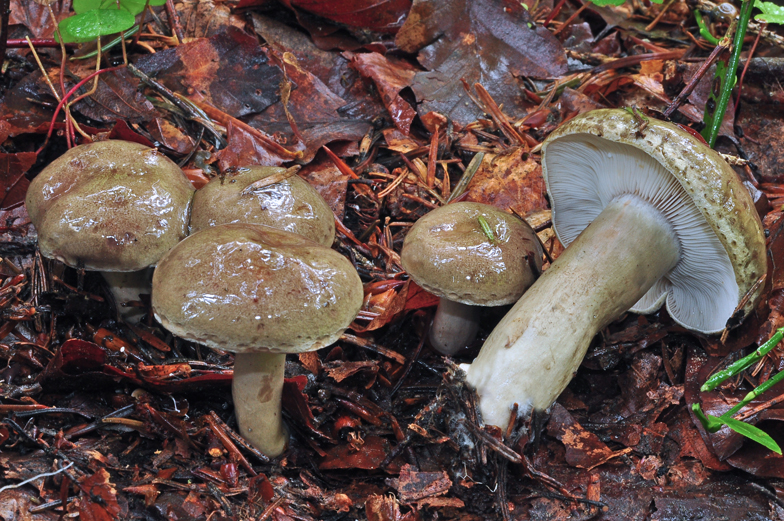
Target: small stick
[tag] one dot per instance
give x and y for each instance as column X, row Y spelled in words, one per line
column 220, row 430
column 174, row 21
column 271, row 180
column 571, row 18
column 687, row 90
column 655, row 21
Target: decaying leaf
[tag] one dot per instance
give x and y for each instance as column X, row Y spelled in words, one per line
column 476, row 42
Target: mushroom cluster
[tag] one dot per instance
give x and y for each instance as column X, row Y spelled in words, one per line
column 649, row 215
column 237, row 283
column 469, row 254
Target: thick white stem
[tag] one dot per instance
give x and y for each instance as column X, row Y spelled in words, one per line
column 126, row 286
column 532, row 354
column 454, row 326
column 257, row 388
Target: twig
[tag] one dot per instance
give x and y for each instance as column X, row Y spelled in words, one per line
column 655, row 21
column 746, row 67
column 687, row 90
column 271, row 180
column 174, row 21
column 571, row 18
column 39, row 476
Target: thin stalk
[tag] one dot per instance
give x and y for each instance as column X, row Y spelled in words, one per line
column 729, row 74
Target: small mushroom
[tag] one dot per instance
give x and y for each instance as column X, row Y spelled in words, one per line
column 260, row 293
column 291, row 204
column 648, row 214
column 469, row 254
column 110, row 206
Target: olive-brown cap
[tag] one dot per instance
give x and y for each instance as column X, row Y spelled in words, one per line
column 251, row 288
column 604, row 154
column 292, row 204
column 110, row 206
column 448, row 253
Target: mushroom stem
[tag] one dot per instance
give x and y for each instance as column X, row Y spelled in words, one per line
column 126, row 286
column 532, row 354
column 454, row 326
column 257, row 389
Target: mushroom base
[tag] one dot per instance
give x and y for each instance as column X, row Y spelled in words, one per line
column 532, row 354
column 454, row 326
column 257, row 388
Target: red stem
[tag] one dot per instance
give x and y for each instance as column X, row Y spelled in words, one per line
column 68, row 95
column 16, row 43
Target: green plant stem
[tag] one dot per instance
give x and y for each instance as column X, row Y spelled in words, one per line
column 732, row 67
column 704, row 31
column 744, row 363
column 108, row 46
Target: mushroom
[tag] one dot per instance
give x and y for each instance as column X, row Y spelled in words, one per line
column 648, row 214
column 110, row 206
column 260, row 293
column 291, row 204
column 448, row 253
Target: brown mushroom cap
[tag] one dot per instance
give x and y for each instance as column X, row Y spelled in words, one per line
column 447, row 253
column 292, row 204
column 110, row 206
column 251, row 288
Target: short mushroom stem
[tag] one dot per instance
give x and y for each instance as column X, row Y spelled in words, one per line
column 454, row 326
column 126, row 286
column 257, row 388
column 535, row 350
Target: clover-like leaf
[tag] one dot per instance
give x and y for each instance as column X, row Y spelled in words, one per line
column 82, row 6
column 771, row 13
column 88, row 26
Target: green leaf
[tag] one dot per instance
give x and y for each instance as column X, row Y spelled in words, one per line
column 602, row 3
column 82, row 6
column 752, row 432
column 157, row 2
column 771, row 12
column 88, row 26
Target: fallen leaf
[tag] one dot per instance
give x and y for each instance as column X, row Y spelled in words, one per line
column 230, row 71
column 375, row 15
column 314, row 107
column 13, row 183
column 390, row 78
column 512, row 182
column 374, row 452
column 583, row 448
column 98, row 498
column 413, row 485
column 477, row 42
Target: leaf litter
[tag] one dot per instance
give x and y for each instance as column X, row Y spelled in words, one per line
column 116, row 421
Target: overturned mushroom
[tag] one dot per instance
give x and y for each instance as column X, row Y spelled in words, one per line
column 648, row 215
column 261, row 293
column 469, row 254
column 111, row 206
column 291, row 204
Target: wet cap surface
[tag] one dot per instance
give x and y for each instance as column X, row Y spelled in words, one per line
column 447, row 253
column 249, row 287
column 292, row 205
column 111, row 206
